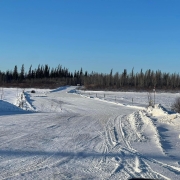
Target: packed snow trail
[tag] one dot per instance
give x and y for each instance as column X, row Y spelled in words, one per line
column 73, row 137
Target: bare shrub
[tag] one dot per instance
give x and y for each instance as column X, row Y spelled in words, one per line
column 2, row 93
column 150, row 101
column 176, row 105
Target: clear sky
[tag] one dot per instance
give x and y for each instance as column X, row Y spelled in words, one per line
column 97, row 35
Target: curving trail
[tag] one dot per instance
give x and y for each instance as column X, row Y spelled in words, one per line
column 75, row 137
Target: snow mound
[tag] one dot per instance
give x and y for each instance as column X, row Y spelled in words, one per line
column 162, row 114
column 22, row 102
column 157, row 110
column 6, row 106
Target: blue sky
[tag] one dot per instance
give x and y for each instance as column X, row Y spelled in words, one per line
column 97, row 35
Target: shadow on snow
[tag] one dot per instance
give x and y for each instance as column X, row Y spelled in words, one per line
column 59, row 89
column 7, row 108
column 29, row 100
column 81, row 154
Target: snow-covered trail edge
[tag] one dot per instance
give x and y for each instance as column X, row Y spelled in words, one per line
column 73, row 137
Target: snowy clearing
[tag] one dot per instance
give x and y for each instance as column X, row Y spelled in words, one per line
column 71, row 134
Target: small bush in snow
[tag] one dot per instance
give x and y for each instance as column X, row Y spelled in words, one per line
column 150, row 101
column 176, row 106
column 33, row 91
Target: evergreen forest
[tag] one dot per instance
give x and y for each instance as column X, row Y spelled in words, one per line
column 45, row 77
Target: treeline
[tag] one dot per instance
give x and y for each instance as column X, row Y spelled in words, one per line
column 136, row 81
column 45, row 77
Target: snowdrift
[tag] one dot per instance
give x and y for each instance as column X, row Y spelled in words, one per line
column 157, row 110
column 6, row 106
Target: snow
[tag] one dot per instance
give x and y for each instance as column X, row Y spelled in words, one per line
column 66, row 133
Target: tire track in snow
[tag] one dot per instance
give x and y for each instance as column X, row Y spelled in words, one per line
column 127, row 163
column 39, row 168
column 133, row 165
column 143, row 158
column 120, row 137
column 171, row 168
column 36, row 165
column 122, row 133
column 114, row 137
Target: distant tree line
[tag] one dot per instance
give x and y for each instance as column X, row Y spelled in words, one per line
column 44, row 76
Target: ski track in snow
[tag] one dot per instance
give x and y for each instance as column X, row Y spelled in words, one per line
column 70, row 136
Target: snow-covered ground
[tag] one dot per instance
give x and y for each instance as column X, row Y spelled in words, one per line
column 71, row 134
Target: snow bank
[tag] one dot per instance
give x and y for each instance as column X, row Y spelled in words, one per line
column 90, row 139
column 23, row 103
column 6, row 106
column 157, row 110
